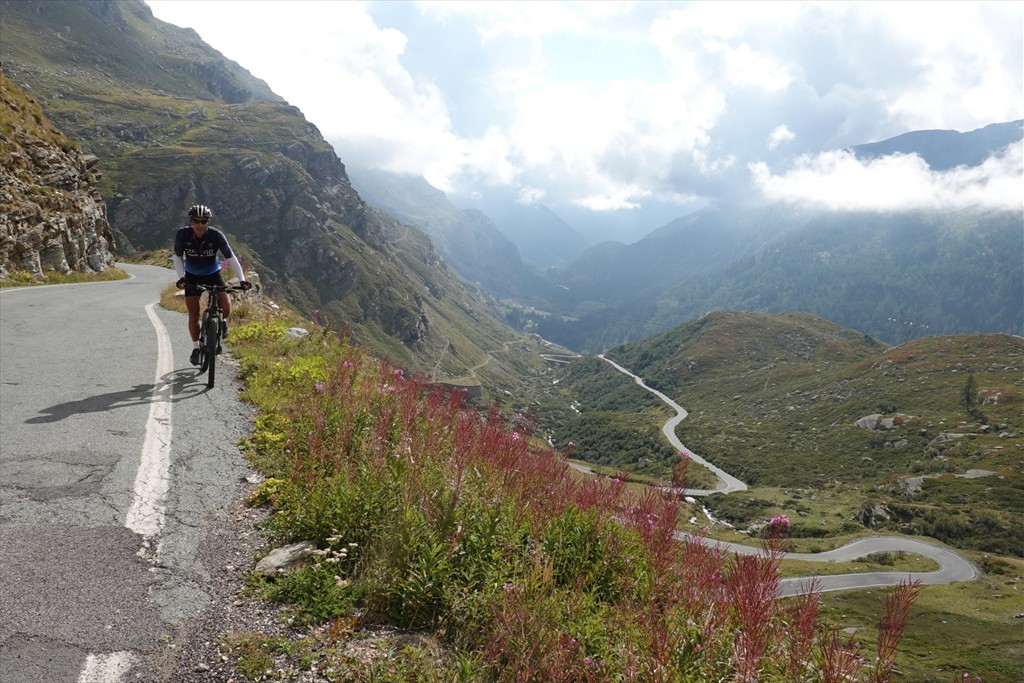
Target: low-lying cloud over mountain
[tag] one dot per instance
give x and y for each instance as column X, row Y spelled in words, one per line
column 622, row 108
column 840, row 181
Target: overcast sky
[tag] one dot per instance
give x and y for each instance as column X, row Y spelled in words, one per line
column 613, row 106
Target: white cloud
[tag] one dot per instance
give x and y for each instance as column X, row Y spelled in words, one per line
column 530, row 195
column 610, row 105
column 332, row 61
column 779, row 135
column 838, row 181
column 495, row 18
column 960, row 68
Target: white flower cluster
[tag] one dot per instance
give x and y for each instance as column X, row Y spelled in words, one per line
column 332, row 555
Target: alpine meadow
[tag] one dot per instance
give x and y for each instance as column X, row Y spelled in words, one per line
column 764, row 441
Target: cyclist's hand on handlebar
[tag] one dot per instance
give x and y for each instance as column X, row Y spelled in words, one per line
column 180, row 284
column 245, row 285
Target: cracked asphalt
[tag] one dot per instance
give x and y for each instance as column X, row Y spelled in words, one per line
column 77, row 378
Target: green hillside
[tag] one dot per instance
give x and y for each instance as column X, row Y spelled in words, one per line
column 776, row 401
column 175, row 123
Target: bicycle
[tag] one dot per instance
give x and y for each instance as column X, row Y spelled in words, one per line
column 211, row 329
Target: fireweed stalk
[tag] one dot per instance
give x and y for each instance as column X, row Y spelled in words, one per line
column 430, row 515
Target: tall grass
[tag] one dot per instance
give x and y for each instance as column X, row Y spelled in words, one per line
column 23, row 278
column 435, row 517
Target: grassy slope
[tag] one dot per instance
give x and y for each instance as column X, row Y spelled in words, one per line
column 967, row 627
column 773, row 398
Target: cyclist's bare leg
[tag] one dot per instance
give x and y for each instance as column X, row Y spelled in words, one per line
column 192, row 304
column 225, row 304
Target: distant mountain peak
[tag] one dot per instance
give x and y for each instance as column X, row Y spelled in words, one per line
column 946, row 149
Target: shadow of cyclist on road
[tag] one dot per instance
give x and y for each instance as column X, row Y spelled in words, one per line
column 177, row 385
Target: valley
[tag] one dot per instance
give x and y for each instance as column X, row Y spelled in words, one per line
column 768, row 392
column 839, row 432
column 860, row 374
column 952, row 567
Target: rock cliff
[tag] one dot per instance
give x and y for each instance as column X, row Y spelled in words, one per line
column 52, row 218
column 175, row 124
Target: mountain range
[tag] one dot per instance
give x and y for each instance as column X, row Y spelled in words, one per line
column 172, row 123
column 438, row 288
column 772, row 325
column 893, row 275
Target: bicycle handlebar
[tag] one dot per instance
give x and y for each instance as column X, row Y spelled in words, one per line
column 218, row 288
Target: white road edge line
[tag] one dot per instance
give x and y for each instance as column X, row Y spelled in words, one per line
column 106, row 668
column 152, row 482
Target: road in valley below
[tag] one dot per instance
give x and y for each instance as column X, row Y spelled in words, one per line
column 113, row 453
column 952, row 566
column 726, row 482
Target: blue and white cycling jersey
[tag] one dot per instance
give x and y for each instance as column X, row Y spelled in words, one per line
column 200, row 254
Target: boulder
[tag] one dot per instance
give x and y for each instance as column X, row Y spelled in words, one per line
column 286, row 558
column 868, row 422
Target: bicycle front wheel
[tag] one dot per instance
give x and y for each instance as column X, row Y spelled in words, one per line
column 211, row 332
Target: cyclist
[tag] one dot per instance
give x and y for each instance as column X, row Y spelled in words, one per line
column 196, row 262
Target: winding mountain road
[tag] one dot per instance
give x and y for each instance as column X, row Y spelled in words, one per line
column 113, row 457
column 952, row 566
column 727, row 482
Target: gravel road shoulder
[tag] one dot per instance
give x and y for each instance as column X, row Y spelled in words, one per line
column 231, row 543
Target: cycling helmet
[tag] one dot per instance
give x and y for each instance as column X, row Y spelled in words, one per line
column 200, row 211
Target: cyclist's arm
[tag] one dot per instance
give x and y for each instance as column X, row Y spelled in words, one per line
column 237, row 267
column 230, row 257
column 179, row 252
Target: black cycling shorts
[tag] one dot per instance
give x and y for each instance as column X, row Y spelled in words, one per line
column 190, row 279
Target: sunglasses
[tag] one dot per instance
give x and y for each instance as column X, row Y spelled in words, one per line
column 201, row 220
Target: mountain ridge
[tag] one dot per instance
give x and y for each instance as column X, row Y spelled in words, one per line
column 946, row 149
column 173, row 123
column 615, row 292
column 955, row 271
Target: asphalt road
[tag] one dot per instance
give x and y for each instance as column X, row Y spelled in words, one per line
column 112, row 454
column 952, row 566
column 726, row 482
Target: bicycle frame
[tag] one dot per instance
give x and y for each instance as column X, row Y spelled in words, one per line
column 211, row 329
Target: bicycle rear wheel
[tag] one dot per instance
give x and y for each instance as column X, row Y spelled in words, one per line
column 211, row 333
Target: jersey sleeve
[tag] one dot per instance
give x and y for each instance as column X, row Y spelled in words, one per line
column 225, row 248
column 179, row 243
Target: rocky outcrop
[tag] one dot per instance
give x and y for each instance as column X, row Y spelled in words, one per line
column 178, row 124
column 51, row 216
column 880, row 423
